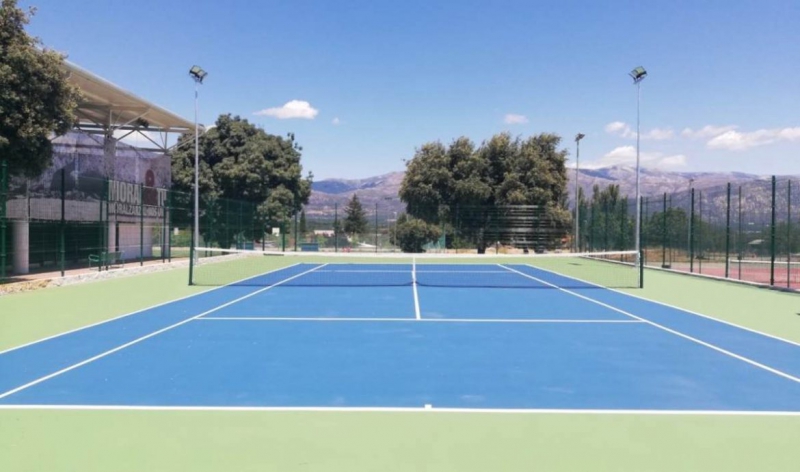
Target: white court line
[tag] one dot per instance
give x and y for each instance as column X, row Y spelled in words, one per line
column 148, row 336
column 140, row 311
column 357, row 409
column 414, row 287
column 426, row 320
column 686, row 310
column 669, row 330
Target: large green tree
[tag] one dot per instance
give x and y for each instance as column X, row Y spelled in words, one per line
column 355, row 220
column 36, row 99
column 467, row 187
column 243, row 163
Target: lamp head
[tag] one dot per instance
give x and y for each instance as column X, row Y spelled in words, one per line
column 198, row 74
column 579, row 136
column 638, row 74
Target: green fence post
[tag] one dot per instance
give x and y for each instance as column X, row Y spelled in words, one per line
column 691, row 234
column 296, row 214
column 283, row 233
column 141, row 224
column 788, row 234
column 191, row 256
column 728, row 231
column 62, row 226
column 336, row 227
column 664, row 264
column 740, row 249
column 3, row 199
column 699, row 231
column 772, row 236
column 164, row 228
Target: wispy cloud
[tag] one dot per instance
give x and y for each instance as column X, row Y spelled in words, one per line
column 626, row 155
column 512, row 119
column 624, row 130
column 708, row 131
column 738, row 141
column 336, row 121
column 291, row 110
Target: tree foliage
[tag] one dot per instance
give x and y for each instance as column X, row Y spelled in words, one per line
column 241, row 162
column 611, row 220
column 36, row 99
column 355, row 220
column 442, row 181
column 411, row 234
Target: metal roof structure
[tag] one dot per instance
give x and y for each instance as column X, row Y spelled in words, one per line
column 107, row 108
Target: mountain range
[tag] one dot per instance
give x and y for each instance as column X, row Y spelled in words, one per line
column 383, row 189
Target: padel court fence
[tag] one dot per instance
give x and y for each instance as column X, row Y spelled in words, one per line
column 748, row 232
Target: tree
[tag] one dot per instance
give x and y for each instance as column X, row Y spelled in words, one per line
column 241, row 162
column 36, row 99
column 472, row 186
column 355, row 220
column 413, row 233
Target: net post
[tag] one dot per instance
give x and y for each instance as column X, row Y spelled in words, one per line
column 641, row 268
column 728, row 231
column 691, row 234
column 141, row 224
column 772, row 236
column 376, row 227
column 664, row 264
column 63, row 224
column 3, row 199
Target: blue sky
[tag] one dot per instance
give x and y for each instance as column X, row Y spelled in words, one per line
column 363, row 83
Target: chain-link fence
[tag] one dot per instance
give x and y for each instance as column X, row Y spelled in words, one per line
column 746, row 232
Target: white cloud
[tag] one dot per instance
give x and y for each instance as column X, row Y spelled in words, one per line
column 615, row 127
column 738, row 141
column 626, row 156
column 336, row 121
column 708, row 131
column 512, row 119
column 290, row 110
column 624, row 130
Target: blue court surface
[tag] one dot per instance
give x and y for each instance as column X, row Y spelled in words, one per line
column 396, row 336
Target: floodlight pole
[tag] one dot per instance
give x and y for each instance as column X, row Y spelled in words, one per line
column 578, row 138
column 638, row 74
column 197, row 74
column 196, row 169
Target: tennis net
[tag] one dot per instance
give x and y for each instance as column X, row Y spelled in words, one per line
column 215, row 267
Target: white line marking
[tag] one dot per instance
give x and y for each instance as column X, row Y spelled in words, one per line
column 669, row 330
column 414, row 287
column 356, row 409
column 685, row 310
column 427, row 320
column 148, row 336
column 139, row 311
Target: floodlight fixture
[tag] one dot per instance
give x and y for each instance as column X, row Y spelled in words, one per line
column 638, row 74
column 198, row 74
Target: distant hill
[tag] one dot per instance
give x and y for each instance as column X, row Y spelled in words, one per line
column 383, row 189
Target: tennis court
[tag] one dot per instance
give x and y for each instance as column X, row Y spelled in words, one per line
column 426, row 333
